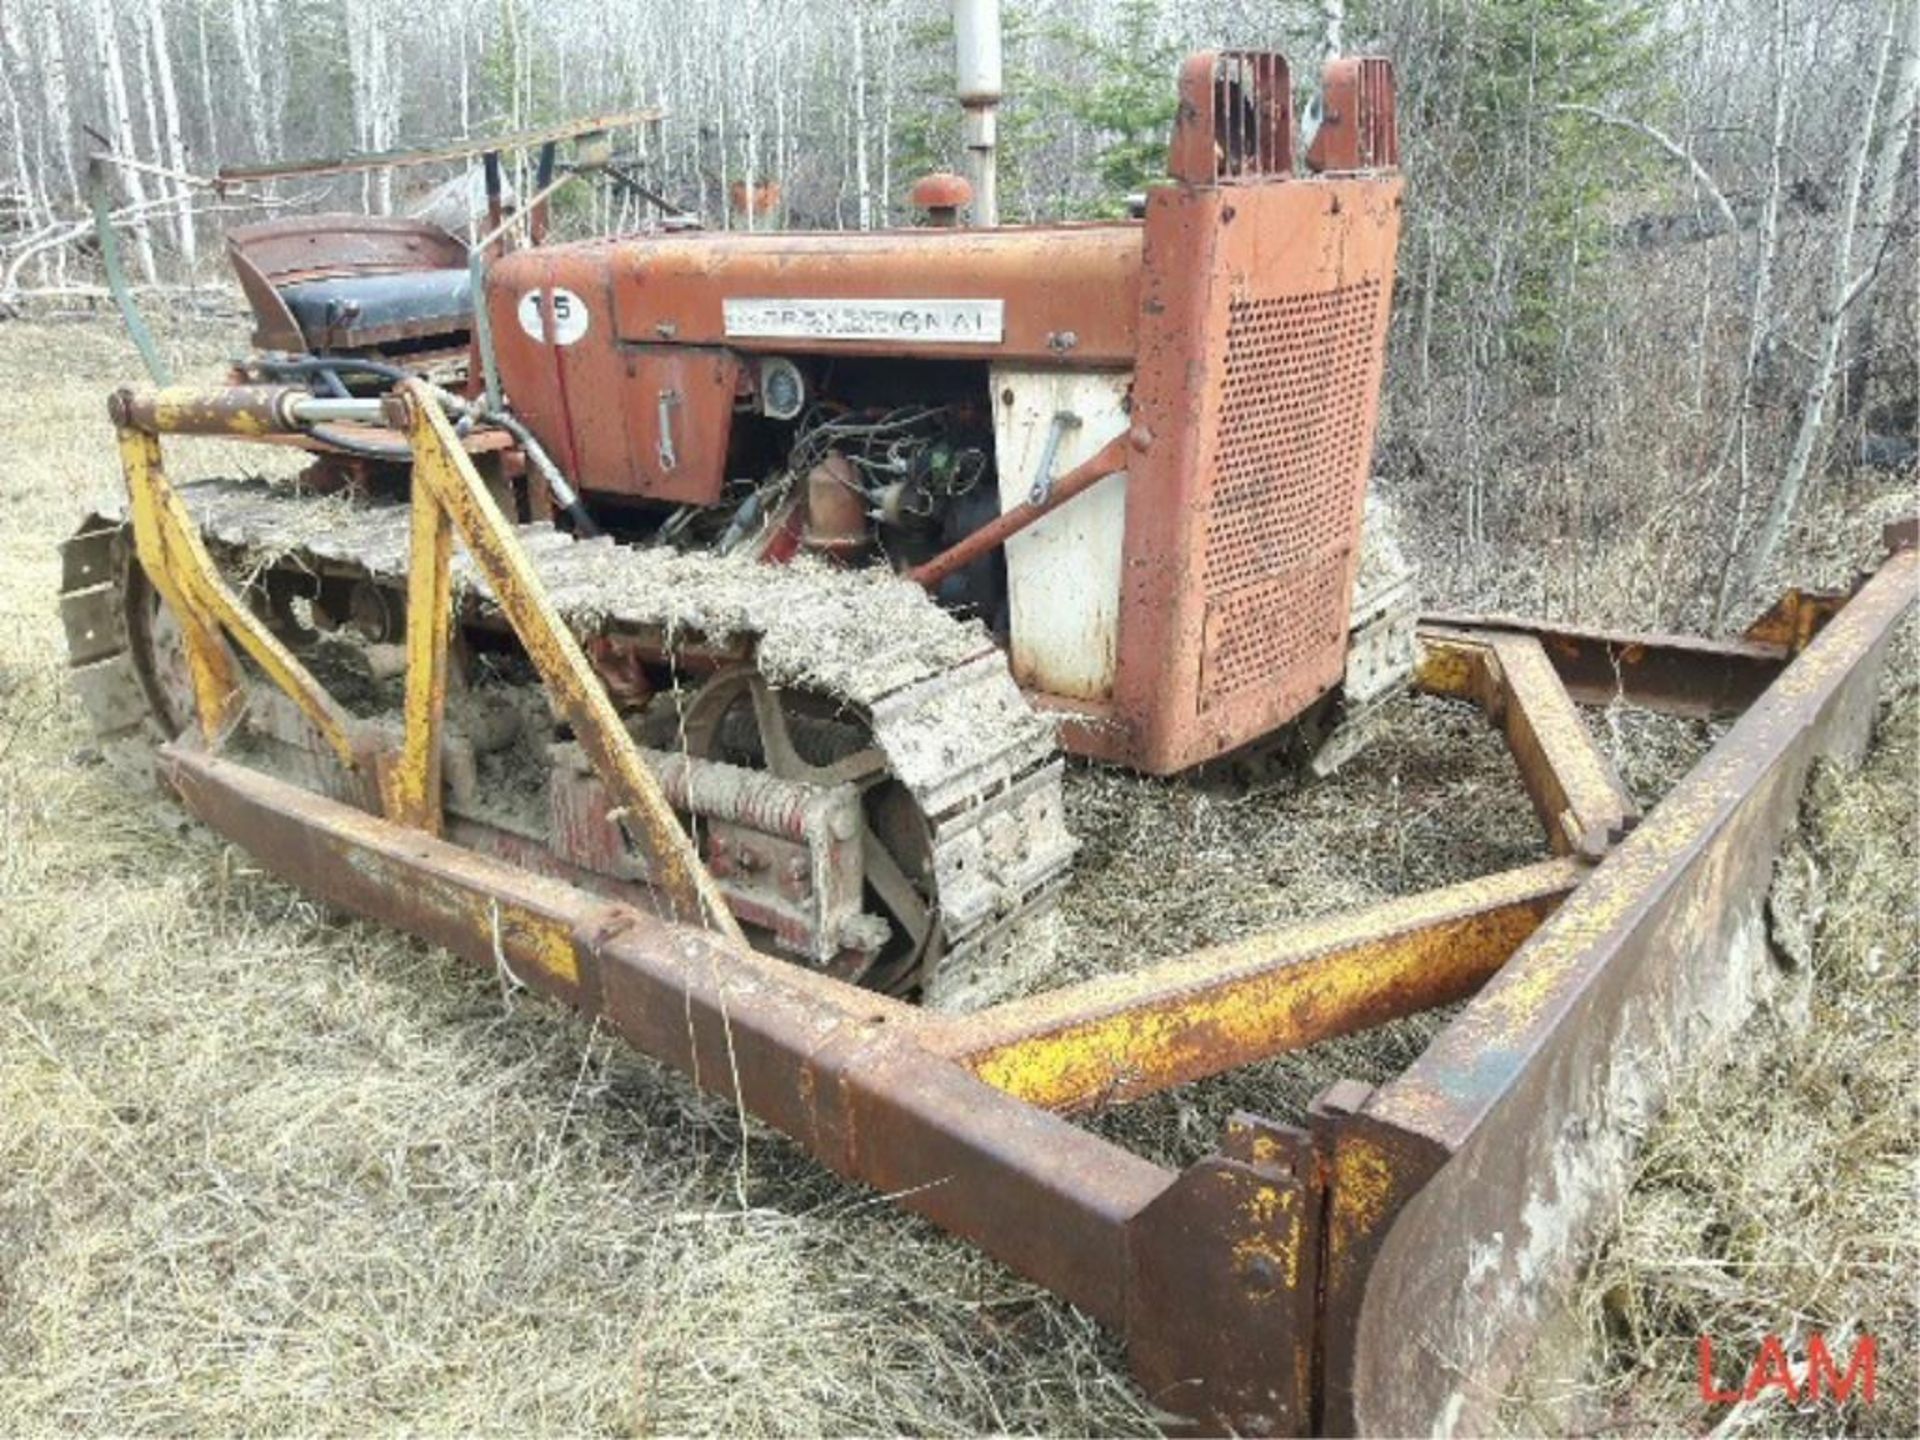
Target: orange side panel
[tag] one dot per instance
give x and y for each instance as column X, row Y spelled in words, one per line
column 1071, row 293
column 596, row 403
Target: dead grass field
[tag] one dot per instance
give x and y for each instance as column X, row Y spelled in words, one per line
column 263, row 1169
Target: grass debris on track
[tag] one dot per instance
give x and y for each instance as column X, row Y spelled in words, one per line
column 269, row 1169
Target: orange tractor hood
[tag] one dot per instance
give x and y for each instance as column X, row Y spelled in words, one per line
column 1067, row 292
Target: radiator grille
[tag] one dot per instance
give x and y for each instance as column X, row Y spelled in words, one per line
column 1292, row 426
column 1284, row 512
column 1263, row 634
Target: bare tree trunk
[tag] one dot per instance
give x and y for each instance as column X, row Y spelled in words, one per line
column 889, row 69
column 246, row 44
column 1759, row 324
column 781, row 168
column 171, row 136
column 375, row 92
column 1666, row 142
column 750, row 97
column 1333, row 19
column 14, row 61
column 1876, row 225
column 1841, row 292
column 113, row 83
column 143, row 52
column 55, row 91
column 207, row 113
column 863, row 193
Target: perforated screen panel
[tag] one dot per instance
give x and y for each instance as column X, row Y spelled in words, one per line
column 1289, row 467
column 1272, row 629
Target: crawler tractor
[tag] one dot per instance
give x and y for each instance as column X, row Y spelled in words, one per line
column 853, row 530
column 691, row 624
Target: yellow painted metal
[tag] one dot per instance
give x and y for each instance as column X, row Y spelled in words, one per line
column 441, row 467
column 210, row 666
column 1448, row 664
column 179, row 567
column 410, row 786
column 1115, row 1039
column 1580, row 798
column 244, row 411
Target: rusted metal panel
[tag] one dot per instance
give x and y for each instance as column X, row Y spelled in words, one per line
column 1115, row 1039
column 652, row 421
column 1220, row 1333
column 679, row 418
column 1068, row 292
column 1264, row 325
column 1234, row 118
column 311, row 247
column 1526, row 1108
column 1794, row 619
column 1358, row 129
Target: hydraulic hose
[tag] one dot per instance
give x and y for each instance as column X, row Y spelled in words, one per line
column 329, row 368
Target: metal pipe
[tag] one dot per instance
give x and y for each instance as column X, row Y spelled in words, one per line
column 483, row 327
column 976, row 55
column 323, row 409
column 190, row 410
column 1109, row 458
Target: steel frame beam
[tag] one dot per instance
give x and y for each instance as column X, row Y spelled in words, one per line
column 1111, row 1040
column 1272, row 1286
column 1575, row 790
column 1462, row 1191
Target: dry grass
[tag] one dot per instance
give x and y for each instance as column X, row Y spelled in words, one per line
column 268, row 1170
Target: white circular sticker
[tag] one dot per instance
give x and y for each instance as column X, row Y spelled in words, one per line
column 569, row 315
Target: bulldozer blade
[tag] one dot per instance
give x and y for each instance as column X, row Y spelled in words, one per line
column 1380, row 1268
column 1464, row 1190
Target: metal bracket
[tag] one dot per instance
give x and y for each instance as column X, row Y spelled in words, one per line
column 176, row 561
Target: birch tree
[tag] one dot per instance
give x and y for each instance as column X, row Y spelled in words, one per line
column 173, row 143
column 862, row 189
column 375, row 90
column 113, row 80
column 1843, row 289
column 12, row 65
column 262, row 119
column 1760, row 318
column 1877, row 227
column 55, row 88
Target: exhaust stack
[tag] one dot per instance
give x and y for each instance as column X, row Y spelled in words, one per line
column 976, row 51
